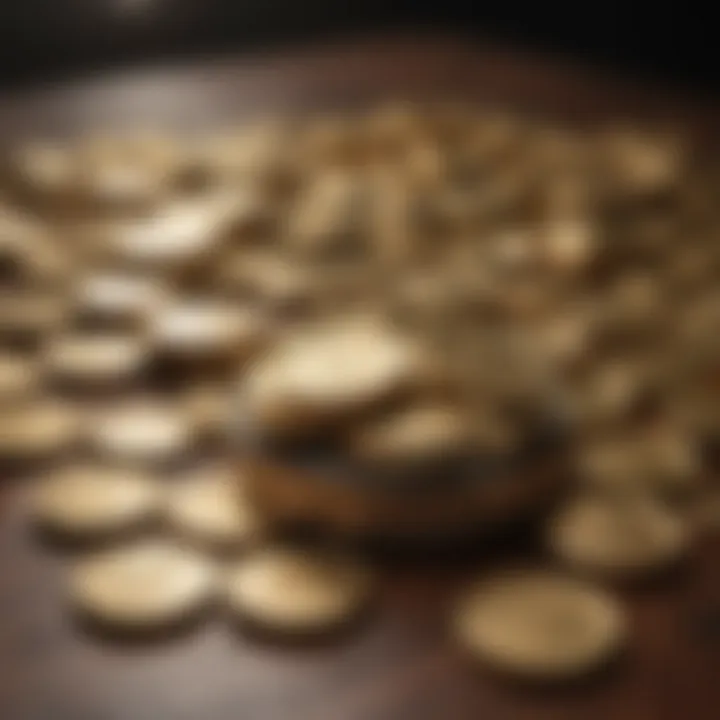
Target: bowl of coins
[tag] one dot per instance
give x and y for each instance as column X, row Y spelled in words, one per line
column 351, row 426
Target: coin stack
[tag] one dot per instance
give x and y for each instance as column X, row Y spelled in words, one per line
column 372, row 322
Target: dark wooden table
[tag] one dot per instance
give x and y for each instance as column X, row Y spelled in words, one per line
column 400, row 666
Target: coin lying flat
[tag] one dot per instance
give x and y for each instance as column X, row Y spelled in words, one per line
column 89, row 501
column 540, row 626
column 142, row 431
column 212, row 508
column 115, row 298
column 291, row 591
column 206, row 329
column 616, row 537
column 661, row 462
column 25, row 318
column 37, row 430
column 328, row 372
column 18, row 377
column 145, row 586
column 95, row 359
column 181, row 234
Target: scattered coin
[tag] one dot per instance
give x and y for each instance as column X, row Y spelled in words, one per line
column 19, row 377
column 612, row 537
column 142, row 431
column 296, row 592
column 94, row 360
column 207, row 329
column 87, row 501
column 211, row 507
column 539, row 626
column 37, row 430
column 145, row 586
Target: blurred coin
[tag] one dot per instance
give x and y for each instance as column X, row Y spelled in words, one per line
column 296, row 592
column 538, row 625
column 145, row 586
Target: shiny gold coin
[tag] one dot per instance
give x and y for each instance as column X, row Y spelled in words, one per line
column 207, row 329
column 211, row 507
column 539, row 625
column 618, row 537
column 89, row 501
column 142, row 431
column 118, row 298
column 295, row 592
column 423, row 432
column 145, row 586
column 328, row 372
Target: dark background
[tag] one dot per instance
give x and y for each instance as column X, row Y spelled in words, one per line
column 41, row 40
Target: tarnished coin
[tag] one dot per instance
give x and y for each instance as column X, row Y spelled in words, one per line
column 211, row 507
column 37, row 430
column 145, row 586
column 88, row 501
column 142, row 431
column 296, row 592
column 614, row 537
column 539, row 625
column 95, row 359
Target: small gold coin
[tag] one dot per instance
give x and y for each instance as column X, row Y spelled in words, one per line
column 142, row 431
column 96, row 359
column 18, row 377
column 37, row 430
column 117, row 297
column 89, row 501
column 145, row 586
column 207, row 329
column 620, row 537
column 539, row 626
column 291, row 591
column 420, row 432
column 212, row 508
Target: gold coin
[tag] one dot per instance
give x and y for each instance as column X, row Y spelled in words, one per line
column 202, row 329
column 87, row 501
column 142, row 431
column 539, row 625
column 38, row 429
column 28, row 317
column 292, row 591
column 118, row 297
column 18, row 377
column 211, row 507
column 96, row 359
column 178, row 236
column 328, row 372
column 417, row 433
column 145, row 586
column 622, row 537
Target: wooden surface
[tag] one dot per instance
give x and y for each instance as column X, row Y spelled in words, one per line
column 400, row 664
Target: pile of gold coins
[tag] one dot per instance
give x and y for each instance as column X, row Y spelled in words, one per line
column 400, row 288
